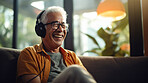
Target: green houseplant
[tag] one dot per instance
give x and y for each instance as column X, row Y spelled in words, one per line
column 111, row 38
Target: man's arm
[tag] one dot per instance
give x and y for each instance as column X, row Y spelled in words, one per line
column 29, row 79
column 26, row 67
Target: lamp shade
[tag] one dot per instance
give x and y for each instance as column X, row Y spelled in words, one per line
column 112, row 9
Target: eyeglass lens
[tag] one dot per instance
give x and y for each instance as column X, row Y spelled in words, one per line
column 57, row 25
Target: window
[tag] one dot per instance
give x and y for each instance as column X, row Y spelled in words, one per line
column 86, row 22
column 6, row 25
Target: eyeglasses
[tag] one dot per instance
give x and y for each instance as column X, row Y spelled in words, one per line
column 56, row 25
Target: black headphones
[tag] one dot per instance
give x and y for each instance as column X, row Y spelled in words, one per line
column 40, row 27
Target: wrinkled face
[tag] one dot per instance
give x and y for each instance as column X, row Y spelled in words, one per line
column 54, row 38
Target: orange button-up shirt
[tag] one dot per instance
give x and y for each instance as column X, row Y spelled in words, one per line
column 34, row 59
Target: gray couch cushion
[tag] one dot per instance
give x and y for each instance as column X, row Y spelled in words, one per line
column 117, row 70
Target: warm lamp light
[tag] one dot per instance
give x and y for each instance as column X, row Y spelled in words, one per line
column 112, row 9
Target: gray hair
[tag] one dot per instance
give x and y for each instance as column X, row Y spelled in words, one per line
column 44, row 18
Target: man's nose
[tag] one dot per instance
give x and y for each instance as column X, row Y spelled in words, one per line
column 60, row 28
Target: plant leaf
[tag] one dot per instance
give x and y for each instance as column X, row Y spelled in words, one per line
column 121, row 25
column 93, row 39
column 104, row 35
column 94, row 50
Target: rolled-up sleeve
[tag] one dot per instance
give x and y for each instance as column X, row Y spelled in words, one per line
column 26, row 63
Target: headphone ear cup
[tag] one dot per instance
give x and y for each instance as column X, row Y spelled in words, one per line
column 40, row 30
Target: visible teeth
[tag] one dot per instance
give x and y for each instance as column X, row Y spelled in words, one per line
column 57, row 35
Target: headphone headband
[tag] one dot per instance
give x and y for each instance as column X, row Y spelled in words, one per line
column 40, row 14
column 40, row 27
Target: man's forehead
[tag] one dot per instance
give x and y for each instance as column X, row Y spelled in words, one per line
column 55, row 16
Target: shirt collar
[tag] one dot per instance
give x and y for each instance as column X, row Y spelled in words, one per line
column 41, row 49
column 63, row 51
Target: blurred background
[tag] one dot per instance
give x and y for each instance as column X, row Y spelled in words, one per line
column 89, row 34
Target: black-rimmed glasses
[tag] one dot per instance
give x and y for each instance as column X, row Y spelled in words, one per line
column 56, row 25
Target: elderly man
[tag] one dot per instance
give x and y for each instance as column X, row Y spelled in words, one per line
column 48, row 62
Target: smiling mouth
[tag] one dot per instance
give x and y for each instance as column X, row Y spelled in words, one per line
column 58, row 36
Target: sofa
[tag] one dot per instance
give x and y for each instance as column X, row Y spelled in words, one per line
column 104, row 69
